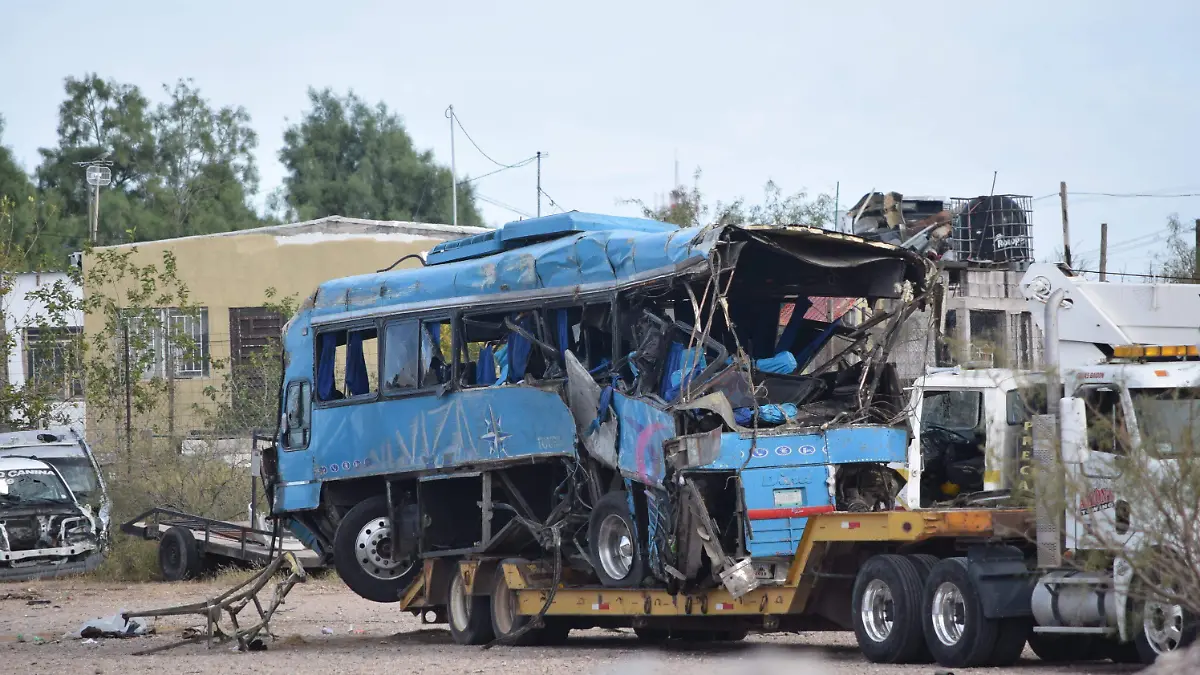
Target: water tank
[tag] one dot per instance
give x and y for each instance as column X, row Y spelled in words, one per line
column 993, row 229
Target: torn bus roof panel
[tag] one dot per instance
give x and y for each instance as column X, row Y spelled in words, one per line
column 600, row 260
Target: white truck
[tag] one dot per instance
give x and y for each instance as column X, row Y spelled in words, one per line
column 1122, row 366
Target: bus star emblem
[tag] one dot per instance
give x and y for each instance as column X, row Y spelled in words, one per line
column 495, row 435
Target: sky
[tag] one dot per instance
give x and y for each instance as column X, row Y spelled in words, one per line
column 935, row 99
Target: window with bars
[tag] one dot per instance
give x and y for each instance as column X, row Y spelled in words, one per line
column 52, row 363
column 171, row 339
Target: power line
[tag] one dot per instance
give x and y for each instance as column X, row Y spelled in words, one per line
column 524, row 162
column 552, row 202
column 1133, row 274
column 507, row 207
column 489, row 157
column 1138, row 195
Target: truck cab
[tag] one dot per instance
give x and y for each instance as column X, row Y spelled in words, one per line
column 970, row 435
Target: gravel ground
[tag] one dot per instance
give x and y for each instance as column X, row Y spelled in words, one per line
column 368, row 637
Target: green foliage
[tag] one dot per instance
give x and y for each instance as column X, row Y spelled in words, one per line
column 348, row 158
column 1178, row 261
column 179, row 168
column 248, row 398
column 686, row 208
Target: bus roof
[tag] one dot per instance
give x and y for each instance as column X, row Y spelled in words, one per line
column 592, row 258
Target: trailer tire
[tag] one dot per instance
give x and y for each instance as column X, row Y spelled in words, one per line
column 618, row 556
column 362, row 545
column 179, row 556
column 886, row 610
column 469, row 616
column 1053, row 648
column 505, row 618
column 949, row 596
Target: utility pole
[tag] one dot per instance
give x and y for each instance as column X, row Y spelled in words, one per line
column 1196, row 263
column 539, row 183
column 1103, row 251
column 98, row 173
column 1062, row 196
column 453, row 173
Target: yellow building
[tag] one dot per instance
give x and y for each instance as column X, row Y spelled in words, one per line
column 228, row 276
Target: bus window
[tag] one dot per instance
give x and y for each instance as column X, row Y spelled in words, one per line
column 350, row 358
column 413, row 355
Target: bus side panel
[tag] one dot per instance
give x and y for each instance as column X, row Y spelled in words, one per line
column 781, row 488
column 427, row 432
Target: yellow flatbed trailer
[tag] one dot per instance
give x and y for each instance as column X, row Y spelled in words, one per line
column 521, row 590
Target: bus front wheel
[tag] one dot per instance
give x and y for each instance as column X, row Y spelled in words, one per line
column 367, row 556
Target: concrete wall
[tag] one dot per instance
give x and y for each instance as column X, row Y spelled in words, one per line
column 236, row 269
column 22, row 311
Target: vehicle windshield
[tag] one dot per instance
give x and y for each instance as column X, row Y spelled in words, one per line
column 956, row 410
column 1168, row 418
column 21, row 486
column 79, row 474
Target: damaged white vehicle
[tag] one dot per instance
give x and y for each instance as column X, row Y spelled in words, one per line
column 54, row 509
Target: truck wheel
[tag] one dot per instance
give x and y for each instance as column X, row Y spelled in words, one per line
column 957, row 632
column 1010, row 642
column 612, row 539
column 887, row 610
column 1164, row 628
column 506, row 619
column 469, row 616
column 363, row 553
column 179, row 557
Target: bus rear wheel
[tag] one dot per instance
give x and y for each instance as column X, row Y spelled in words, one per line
column 368, row 558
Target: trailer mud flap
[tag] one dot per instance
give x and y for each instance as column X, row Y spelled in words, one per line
column 1002, row 580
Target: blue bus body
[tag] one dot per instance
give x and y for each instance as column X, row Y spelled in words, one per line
column 683, row 392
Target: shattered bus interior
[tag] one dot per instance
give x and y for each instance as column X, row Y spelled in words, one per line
column 616, row 397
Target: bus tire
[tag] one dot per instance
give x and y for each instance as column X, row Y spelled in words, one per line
column 948, row 597
column 469, row 616
column 179, row 556
column 886, row 610
column 617, row 554
column 362, row 547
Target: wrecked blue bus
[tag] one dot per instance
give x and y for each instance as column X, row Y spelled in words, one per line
column 641, row 405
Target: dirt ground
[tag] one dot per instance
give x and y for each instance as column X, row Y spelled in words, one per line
column 367, row 638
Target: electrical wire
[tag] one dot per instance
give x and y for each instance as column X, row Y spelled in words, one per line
column 552, row 202
column 507, row 207
column 489, row 157
column 519, row 165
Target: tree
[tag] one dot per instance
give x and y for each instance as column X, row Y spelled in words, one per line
column 686, row 208
column 180, row 168
column 204, row 164
column 348, row 158
column 1178, row 261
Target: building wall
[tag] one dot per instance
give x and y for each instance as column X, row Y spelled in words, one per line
column 235, row 270
column 22, row 312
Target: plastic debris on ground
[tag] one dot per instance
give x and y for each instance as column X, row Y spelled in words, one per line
column 327, row 631
column 115, row 626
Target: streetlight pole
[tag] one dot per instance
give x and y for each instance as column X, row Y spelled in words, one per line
column 453, row 173
column 97, row 173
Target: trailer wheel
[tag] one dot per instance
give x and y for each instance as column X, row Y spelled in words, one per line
column 617, row 554
column 364, row 550
column 179, row 557
column 1164, row 628
column 506, row 617
column 469, row 616
column 1055, row 648
column 887, row 610
column 957, row 632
